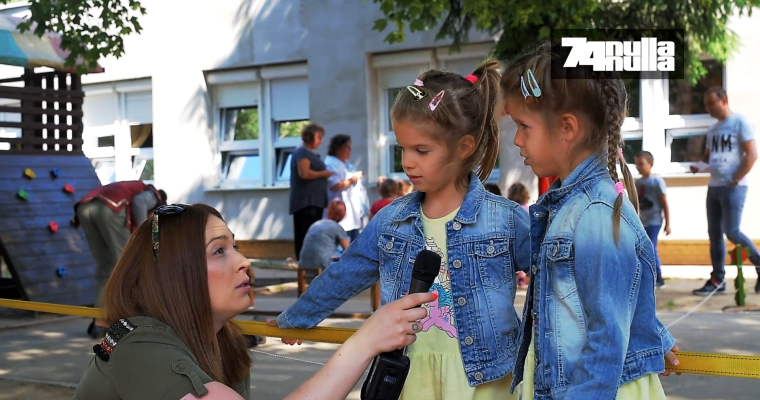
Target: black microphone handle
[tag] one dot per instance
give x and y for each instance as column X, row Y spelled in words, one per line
column 418, row 286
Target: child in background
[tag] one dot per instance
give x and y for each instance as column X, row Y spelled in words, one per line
column 653, row 204
column 388, row 192
column 404, row 188
column 519, row 194
column 447, row 126
column 590, row 311
column 493, row 188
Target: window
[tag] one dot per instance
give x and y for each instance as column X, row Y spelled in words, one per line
column 686, row 99
column 632, row 147
column 288, row 137
column 240, row 144
column 686, row 145
column 261, row 113
column 105, row 169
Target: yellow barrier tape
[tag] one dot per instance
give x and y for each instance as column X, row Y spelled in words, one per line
column 689, row 362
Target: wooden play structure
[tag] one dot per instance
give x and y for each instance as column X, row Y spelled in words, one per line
column 43, row 172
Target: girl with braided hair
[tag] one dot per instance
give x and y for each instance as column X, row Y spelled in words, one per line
column 589, row 329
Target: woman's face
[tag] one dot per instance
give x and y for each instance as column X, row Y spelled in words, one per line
column 344, row 152
column 228, row 273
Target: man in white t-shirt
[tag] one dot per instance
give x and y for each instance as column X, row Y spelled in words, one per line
column 731, row 153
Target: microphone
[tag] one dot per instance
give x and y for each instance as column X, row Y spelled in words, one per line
column 388, row 372
column 426, row 268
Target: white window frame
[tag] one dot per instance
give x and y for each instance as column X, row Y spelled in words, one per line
column 656, row 127
column 268, row 144
column 411, row 63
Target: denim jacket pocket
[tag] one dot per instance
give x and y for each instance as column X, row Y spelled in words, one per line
column 493, row 261
column 561, row 259
column 391, row 255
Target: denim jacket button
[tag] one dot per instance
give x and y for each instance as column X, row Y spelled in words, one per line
column 534, row 269
column 457, row 226
column 456, row 264
column 490, row 250
column 468, row 340
column 461, row 301
column 556, row 248
column 478, row 376
column 389, row 245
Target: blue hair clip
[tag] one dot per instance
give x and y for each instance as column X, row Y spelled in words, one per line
column 524, row 89
column 533, row 84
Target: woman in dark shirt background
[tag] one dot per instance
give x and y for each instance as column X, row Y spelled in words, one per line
column 308, row 184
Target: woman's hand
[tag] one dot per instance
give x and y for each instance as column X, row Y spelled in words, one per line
column 393, row 325
column 272, row 322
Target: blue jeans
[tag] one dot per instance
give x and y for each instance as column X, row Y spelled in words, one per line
column 724, row 215
column 652, row 232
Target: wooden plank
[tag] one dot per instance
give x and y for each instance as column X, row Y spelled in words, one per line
column 62, row 139
column 51, row 161
column 71, row 257
column 40, row 91
column 76, row 151
column 10, row 225
column 74, row 291
column 40, row 98
column 689, row 252
column 37, row 210
column 64, row 173
column 277, row 249
column 47, row 248
column 81, row 186
column 37, row 196
column 42, row 237
column 50, row 274
column 40, row 111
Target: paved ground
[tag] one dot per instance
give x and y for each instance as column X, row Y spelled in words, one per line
column 44, row 361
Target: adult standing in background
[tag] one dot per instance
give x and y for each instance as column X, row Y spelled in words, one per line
column 308, row 184
column 346, row 185
column 108, row 215
column 731, row 153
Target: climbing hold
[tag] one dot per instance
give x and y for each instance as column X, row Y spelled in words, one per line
column 68, row 188
column 55, row 172
column 61, row 272
column 53, row 227
column 29, row 173
column 23, row 194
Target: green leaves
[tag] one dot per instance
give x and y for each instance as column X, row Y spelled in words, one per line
column 523, row 23
column 89, row 29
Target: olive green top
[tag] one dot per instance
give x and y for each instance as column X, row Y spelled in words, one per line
column 149, row 363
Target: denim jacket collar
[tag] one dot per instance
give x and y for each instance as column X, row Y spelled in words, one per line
column 591, row 170
column 468, row 212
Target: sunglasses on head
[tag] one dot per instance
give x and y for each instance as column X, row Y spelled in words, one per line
column 169, row 209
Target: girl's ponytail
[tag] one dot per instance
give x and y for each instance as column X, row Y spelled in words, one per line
column 488, row 75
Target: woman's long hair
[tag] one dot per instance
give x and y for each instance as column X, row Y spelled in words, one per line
column 175, row 291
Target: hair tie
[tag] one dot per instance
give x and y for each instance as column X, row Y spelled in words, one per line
column 619, row 187
column 620, row 154
column 472, row 78
column 418, row 82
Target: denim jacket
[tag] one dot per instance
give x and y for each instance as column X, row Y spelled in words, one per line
column 487, row 242
column 591, row 303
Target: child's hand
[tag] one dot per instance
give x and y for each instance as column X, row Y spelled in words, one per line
column 672, row 359
column 272, row 322
column 667, row 229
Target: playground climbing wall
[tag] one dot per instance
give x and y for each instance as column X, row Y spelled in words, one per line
column 49, row 260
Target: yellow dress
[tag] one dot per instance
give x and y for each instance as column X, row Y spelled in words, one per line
column 645, row 388
column 437, row 371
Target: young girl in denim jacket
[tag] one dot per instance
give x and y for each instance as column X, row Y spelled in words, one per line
column 448, row 128
column 589, row 325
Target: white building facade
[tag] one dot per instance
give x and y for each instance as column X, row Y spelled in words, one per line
column 208, row 102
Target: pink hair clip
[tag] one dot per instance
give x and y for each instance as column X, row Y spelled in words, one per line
column 418, row 82
column 620, row 154
column 436, row 100
column 472, row 78
column 619, row 187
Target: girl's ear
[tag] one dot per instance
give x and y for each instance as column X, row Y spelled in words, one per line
column 466, row 146
column 569, row 127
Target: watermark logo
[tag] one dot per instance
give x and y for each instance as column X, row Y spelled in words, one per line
column 644, row 54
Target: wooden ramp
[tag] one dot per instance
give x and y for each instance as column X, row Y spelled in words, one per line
column 45, row 266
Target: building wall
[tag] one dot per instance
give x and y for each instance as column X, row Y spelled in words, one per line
column 182, row 49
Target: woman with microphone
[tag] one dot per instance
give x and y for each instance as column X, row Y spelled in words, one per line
column 170, row 301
